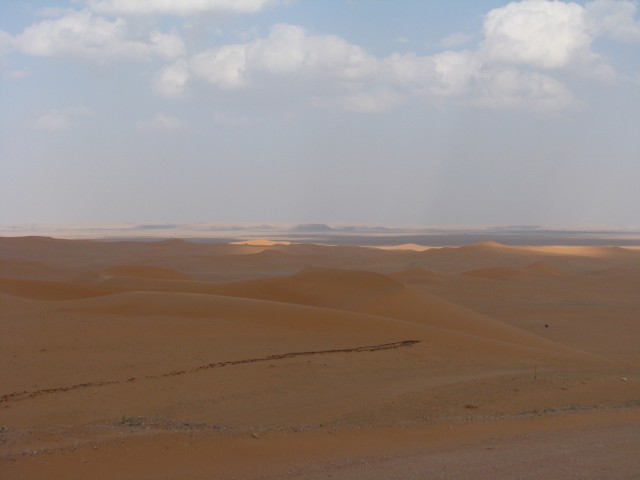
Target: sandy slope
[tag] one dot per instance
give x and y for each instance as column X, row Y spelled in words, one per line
column 173, row 359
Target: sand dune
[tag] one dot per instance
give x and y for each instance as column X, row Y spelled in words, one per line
column 282, row 355
column 26, row 269
column 418, row 275
column 144, row 271
column 322, row 287
column 535, row 269
column 543, row 269
column 50, row 290
column 434, row 312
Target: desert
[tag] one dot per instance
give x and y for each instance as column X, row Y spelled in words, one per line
column 282, row 239
column 259, row 358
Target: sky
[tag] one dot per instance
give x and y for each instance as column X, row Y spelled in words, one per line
column 385, row 112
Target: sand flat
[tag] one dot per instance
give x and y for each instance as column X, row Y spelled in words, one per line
column 303, row 361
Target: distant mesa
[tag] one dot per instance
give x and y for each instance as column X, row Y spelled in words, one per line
column 312, row 227
column 156, row 226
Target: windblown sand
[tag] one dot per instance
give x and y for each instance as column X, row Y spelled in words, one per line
column 259, row 359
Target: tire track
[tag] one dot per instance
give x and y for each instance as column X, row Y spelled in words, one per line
column 25, row 395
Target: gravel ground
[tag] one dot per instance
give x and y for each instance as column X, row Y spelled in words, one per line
column 607, row 453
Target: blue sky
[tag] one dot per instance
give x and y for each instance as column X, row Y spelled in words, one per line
column 356, row 112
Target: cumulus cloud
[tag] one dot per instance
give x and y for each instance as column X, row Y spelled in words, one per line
column 406, row 70
column 286, row 50
column 454, row 71
column 289, row 49
column 177, row 7
column 82, row 34
column 224, row 67
column 614, row 18
column 508, row 88
column 539, row 33
column 171, row 81
column 523, row 45
column 161, row 122
column 61, row 119
column 367, row 84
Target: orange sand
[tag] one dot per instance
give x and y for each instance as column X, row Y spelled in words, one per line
column 270, row 360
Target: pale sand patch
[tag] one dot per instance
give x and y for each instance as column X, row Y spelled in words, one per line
column 405, row 246
column 260, row 242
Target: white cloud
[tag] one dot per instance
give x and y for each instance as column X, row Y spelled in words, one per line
column 360, row 82
column 81, row 34
column 454, row 71
column 614, row 18
column 289, row 49
column 456, row 40
column 407, row 70
column 508, row 88
column 177, row 7
column 171, row 81
column 61, row 119
column 286, row 50
column 224, row 67
column 161, row 123
column 539, row 33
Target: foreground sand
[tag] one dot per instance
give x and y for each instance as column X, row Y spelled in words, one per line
column 262, row 359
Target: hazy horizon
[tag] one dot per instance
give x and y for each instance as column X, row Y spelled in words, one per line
column 339, row 112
